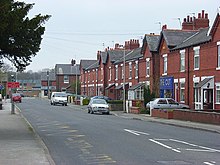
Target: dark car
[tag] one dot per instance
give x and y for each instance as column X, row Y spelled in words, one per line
column 16, row 97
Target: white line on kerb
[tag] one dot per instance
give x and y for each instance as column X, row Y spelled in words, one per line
column 166, row 146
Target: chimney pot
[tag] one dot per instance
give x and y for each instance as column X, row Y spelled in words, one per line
column 188, row 18
column 199, row 15
column 184, row 20
column 206, row 16
column 203, row 14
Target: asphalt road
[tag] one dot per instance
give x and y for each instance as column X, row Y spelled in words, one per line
column 75, row 137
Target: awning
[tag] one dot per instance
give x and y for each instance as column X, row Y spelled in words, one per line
column 203, row 83
column 136, row 86
column 111, row 85
column 120, row 86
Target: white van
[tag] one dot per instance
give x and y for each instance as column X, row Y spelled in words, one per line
column 58, row 98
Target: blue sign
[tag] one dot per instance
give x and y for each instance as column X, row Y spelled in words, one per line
column 1, row 87
column 166, row 82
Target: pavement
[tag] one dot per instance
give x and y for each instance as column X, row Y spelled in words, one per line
column 20, row 145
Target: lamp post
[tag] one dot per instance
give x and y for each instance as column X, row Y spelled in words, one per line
column 12, row 102
column 124, row 96
column 48, row 90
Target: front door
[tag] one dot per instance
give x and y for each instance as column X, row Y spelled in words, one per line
column 207, row 99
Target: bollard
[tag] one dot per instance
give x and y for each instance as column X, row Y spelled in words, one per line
column 12, row 107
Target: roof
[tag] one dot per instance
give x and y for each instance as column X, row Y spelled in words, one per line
column 44, row 75
column 203, row 82
column 175, row 37
column 152, row 41
column 86, row 63
column 132, row 55
column 136, row 86
column 93, row 66
column 67, row 69
column 111, row 85
column 196, row 39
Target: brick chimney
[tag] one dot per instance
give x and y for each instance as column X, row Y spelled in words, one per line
column 164, row 27
column 193, row 23
column 132, row 44
column 98, row 54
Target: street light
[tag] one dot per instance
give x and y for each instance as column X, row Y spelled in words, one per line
column 48, row 90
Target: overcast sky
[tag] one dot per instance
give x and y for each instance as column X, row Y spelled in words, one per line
column 79, row 28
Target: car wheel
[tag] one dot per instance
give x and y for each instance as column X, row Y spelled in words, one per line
column 108, row 113
column 66, row 104
column 91, row 112
column 54, row 103
column 88, row 111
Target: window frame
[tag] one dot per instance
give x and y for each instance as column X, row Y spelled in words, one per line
column 147, row 67
column 196, row 57
column 182, row 60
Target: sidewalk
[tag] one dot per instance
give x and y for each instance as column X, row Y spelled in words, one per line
column 18, row 143
column 145, row 117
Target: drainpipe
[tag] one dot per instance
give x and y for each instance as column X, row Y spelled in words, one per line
column 188, row 75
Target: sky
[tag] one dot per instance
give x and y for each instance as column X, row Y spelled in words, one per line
column 78, row 29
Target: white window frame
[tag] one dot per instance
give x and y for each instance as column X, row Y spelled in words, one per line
column 116, row 72
column 147, row 67
column 66, row 79
column 101, row 74
column 196, row 56
column 136, row 69
column 130, row 70
column 182, row 60
column 218, row 55
column 165, row 60
column 110, row 73
column 182, row 92
column 122, row 71
column 217, row 88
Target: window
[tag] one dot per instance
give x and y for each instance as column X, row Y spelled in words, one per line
column 139, row 92
column 182, row 60
column 182, row 91
column 116, row 72
column 165, row 64
column 66, row 79
column 196, row 58
column 122, row 72
column 218, row 93
column 130, row 70
column 218, row 55
column 136, row 69
column 147, row 67
column 110, row 73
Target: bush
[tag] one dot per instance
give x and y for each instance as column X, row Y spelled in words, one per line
column 85, row 101
column 115, row 101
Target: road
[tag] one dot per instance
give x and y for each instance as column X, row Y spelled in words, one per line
column 75, row 137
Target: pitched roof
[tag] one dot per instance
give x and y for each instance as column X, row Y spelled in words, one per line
column 196, row 39
column 175, row 37
column 86, row 63
column 152, row 41
column 67, row 69
column 44, row 75
column 131, row 55
column 93, row 66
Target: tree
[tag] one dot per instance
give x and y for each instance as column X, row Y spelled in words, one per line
column 20, row 36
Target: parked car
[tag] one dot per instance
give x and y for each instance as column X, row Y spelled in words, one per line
column 58, row 98
column 16, row 97
column 101, row 97
column 98, row 105
column 167, row 103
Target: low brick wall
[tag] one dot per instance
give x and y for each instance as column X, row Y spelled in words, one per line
column 188, row 115
column 135, row 110
column 165, row 114
column 197, row 116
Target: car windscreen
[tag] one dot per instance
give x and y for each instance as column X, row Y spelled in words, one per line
column 99, row 101
column 60, row 95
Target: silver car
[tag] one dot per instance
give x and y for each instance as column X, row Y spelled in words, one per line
column 167, row 103
column 98, row 105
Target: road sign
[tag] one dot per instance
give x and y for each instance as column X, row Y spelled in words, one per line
column 1, row 87
column 13, row 84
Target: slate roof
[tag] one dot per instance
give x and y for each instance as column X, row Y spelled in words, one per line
column 152, row 41
column 51, row 75
column 175, row 37
column 196, row 39
column 93, row 66
column 131, row 55
column 67, row 69
column 86, row 63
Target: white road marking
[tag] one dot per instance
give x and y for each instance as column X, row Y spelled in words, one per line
column 194, row 145
column 208, row 163
column 136, row 132
column 166, row 146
